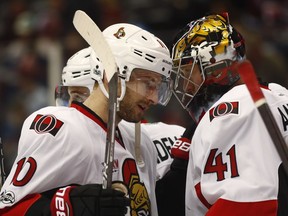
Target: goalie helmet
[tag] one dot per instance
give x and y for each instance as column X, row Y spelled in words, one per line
column 134, row 47
column 204, row 56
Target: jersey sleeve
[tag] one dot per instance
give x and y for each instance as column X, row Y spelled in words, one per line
column 44, row 160
column 31, row 205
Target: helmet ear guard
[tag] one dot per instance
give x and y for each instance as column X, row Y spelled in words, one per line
column 97, row 70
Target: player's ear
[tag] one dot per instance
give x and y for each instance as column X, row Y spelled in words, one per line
column 105, row 80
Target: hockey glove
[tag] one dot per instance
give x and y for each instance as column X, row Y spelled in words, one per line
column 89, row 200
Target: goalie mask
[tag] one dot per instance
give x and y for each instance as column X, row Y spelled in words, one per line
column 204, row 56
column 77, row 83
column 135, row 48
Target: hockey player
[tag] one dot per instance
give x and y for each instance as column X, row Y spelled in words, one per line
column 234, row 168
column 61, row 148
column 77, row 85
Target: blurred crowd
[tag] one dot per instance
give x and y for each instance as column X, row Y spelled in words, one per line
column 37, row 37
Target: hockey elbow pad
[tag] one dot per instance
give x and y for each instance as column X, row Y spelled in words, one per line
column 180, row 153
column 180, row 148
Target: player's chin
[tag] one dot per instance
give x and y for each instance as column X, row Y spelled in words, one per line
column 132, row 116
column 136, row 117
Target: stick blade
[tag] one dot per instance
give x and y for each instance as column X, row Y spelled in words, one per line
column 94, row 37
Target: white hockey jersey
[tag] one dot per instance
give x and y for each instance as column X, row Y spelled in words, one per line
column 233, row 164
column 61, row 146
column 163, row 136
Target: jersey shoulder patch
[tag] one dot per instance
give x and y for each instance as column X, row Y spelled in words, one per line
column 47, row 123
column 224, row 108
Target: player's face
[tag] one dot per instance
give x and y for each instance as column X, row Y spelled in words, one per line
column 192, row 78
column 187, row 78
column 141, row 92
column 78, row 93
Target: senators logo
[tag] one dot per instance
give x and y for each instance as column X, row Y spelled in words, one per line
column 224, row 108
column 46, row 124
column 120, row 33
column 140, row 203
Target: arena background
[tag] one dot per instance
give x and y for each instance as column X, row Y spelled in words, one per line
column 37, row 37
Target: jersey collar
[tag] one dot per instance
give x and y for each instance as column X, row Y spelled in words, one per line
column 94, row 117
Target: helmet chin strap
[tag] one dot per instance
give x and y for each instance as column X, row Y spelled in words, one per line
column 122, row 87
column 98, row 75
column 103, row 89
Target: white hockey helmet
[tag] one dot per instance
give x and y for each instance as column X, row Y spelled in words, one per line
column 77, row 73
column 78, row 68
column 134, row 47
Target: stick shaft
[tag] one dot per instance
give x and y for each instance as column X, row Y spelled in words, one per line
column 275, row 134
column 138, row 154
column 2, row 168
column 110, row 139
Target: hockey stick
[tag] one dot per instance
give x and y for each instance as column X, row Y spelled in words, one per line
column 94, row 37
column 248, row 75
column 2, row 168
column 138, row 155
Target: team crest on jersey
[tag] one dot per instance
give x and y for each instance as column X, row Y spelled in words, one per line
column 224, row 108
column 46, row 124
column 140, row 202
